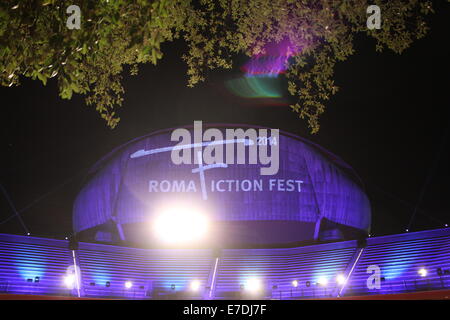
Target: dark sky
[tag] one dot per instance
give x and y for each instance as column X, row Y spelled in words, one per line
column 388, row 121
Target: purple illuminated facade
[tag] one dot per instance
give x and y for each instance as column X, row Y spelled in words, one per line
column 38, row 266
column 314, row 194
column 121, row 195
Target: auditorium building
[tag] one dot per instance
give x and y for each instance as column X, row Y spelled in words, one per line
column 148, row 227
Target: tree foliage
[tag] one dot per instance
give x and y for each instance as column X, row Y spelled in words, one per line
column 36, row 43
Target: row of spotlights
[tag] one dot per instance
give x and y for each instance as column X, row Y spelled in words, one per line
column 252, row 285
column 69, row 281
column 323, row 281
column 194, row 285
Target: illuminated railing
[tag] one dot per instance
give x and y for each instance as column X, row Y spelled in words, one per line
column 305, row 272
column 407, row 262
column 152, row 273
column 30, row 265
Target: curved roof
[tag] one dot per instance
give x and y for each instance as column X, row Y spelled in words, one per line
column 331, row 156
column 311, row 183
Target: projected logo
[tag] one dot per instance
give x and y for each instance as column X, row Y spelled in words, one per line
column 219, row 149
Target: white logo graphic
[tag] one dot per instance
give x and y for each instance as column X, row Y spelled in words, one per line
column 374, row 280
column 215, row 147
column 74, row 20
column 210, row 150
column 374, row 21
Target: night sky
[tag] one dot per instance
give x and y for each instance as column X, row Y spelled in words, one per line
column 390, row 121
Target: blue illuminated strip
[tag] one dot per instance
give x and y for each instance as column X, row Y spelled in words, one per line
column 400, row 257
column 30, row 265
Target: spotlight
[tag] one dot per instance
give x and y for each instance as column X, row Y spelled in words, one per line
column 108, row 284
column 253, row 285
column 69, row 281
column 446, row 224
column 322, row 281
column 28, row 234
column 308, row 283
column 407, row 230
column 195, row 285
column 128, row 284
column 180, row 224
column 37, row 279
column 340, row 279
column 172, row 286
column 423, row 272
column 295, row 283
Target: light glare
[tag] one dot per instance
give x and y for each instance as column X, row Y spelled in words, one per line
column 253, row 285
column 180, row 224
column 322, row 281
column 340, row 279
column 69, row 281
column 195, row 285
column 423, row 272
column 128, row 284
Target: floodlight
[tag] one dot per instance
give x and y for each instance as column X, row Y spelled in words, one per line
column 340, row 279
column 423, row 272
column 69, row 281
column 179, row 224
column 322, row 281
column 195, row 285
column 253, row 285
